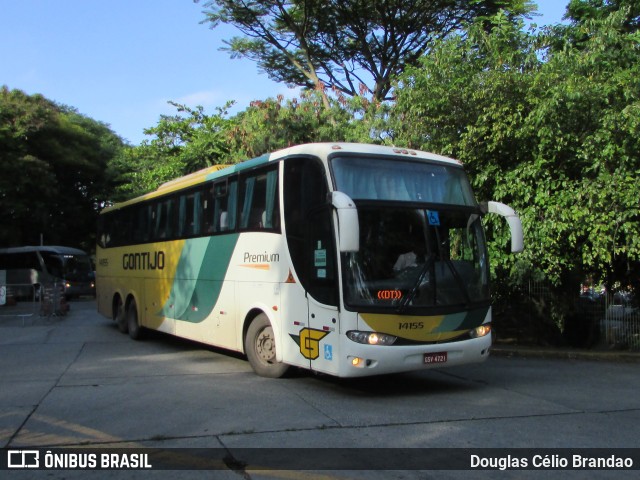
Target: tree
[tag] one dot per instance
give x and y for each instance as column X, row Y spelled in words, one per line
column 192, row 139
column 272, row 124
column 586, row 102
column 343, row 44
column 278, row 123
column 558, row 139
column 182, row 143
column 54, row 177
column 582, row 11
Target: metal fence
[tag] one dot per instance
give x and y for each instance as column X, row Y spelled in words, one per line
column 23, row 302
column 620, row 326
column 539, row 316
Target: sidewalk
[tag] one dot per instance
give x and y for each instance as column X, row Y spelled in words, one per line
column 20, row 309
column 25, row 314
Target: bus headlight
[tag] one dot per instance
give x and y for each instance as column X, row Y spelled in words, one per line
column 371, row 338
column 480, row 331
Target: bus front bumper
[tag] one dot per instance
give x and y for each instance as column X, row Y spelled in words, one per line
column 365, row 360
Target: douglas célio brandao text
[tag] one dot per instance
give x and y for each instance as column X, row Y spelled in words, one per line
column 553, row 461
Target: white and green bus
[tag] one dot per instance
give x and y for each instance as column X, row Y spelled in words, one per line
column 345, row 259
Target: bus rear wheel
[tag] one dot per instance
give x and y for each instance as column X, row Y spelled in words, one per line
column 260, row 347
column 119, row 315
column 135, row 330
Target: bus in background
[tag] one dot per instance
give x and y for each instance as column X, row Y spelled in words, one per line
column 346, row 259
column 29, row 268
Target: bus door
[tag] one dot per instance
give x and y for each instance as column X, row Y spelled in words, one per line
column 322, row 337
column 314, row 328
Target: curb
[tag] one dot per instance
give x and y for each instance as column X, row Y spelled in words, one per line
column 566, row 354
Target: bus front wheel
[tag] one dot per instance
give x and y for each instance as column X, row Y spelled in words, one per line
column 260, row 348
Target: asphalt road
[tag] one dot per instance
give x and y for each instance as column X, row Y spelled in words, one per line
column 76, row 381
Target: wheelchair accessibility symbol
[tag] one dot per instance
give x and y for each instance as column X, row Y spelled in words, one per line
column 328, row 352
column 434, row 218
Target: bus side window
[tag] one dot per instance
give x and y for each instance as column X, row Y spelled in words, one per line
column 208, row 219
column 224, row 205
column 189, row 214
column 27, row 260
column 106, row 226
column 122, row 228
column 197, row 213
column 159, row 221
column 163, row 219
column 260, row 207
column 219, row 206
column 141, row 224
column 146, row 218
column 250, row 205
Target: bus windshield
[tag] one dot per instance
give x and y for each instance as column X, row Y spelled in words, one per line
column 412, row 258
column 364, row 178
column 68, row 266
column 77, row 267
column 421, row 241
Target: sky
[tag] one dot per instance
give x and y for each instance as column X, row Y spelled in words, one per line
column 121, row 61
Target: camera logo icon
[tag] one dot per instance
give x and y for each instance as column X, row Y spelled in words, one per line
column 23, row 459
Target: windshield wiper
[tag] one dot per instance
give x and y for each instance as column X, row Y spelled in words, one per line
column 459, row 281
column 416, row 286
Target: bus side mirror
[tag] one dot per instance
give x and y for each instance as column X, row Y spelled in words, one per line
column 348, row 226
column 515, row 225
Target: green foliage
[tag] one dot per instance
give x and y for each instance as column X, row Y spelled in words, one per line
column 275, row 123
column 580, row 12
column 546, row 121
column 53, row 162
column 585, row 120
column 183, row 143
column 342, row 44
column 196, row 140
column 140, row 169
column 278, row 123
column 192, row 139
column 556, row 139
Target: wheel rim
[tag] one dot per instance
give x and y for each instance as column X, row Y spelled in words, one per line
column 266, row 345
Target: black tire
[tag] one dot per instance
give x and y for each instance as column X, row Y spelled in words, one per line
column 260, row 348
column 119, row 316
column 135, row 330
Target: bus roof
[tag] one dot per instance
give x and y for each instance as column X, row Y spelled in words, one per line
column 321, row 150
column 325, row 149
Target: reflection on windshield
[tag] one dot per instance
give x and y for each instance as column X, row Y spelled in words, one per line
column 411, row 258
column 77, row 267
column 400, row 180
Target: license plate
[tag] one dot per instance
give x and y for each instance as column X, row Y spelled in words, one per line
column 438, row 357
